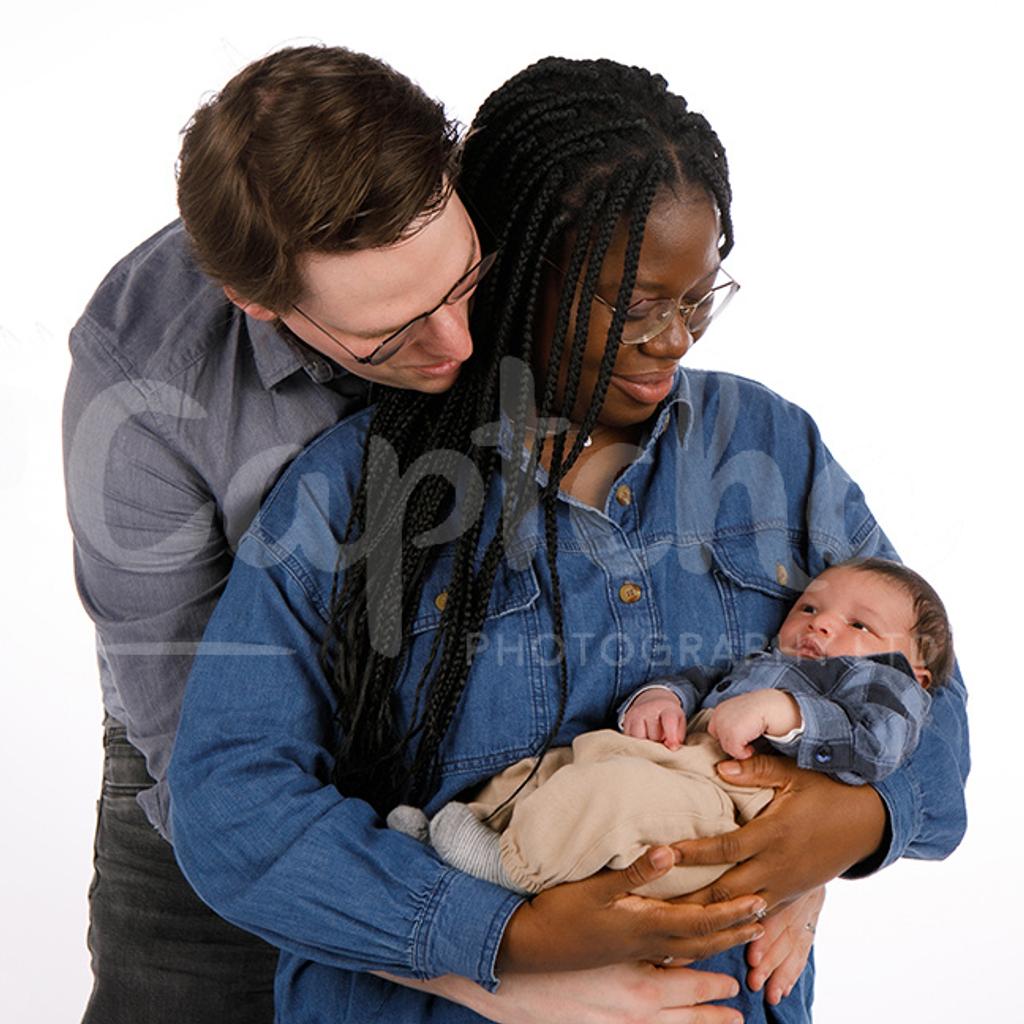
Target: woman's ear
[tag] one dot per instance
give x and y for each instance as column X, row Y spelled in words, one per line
column 923, row 675
column 253, row 309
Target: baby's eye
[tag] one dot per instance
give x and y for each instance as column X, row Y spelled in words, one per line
column 808, row 608
column 856, row 624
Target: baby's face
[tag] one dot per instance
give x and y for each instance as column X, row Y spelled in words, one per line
column 848, row 611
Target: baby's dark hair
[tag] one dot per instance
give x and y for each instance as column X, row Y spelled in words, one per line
column 931, row 629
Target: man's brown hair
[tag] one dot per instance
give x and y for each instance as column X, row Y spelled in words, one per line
column 310, row 149
column 931, row 630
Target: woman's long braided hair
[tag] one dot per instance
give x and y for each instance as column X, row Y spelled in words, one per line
column 557, row 159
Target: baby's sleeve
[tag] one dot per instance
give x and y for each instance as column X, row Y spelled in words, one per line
column 862, row 716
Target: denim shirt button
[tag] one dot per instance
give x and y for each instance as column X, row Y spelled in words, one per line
column 723, row 686
column 624, row 494
column 441, row 600
column 823, row 755
column 781, row 575
column 630, row 593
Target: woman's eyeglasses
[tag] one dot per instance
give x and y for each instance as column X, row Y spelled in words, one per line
column 647, row 318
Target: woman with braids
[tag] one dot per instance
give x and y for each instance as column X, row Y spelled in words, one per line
column 444, row 585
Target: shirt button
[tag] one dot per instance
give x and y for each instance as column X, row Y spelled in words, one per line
column 441, row 600
column 723, row 686
column 630, row 593
column 781, row 576
column 823, row 755
column 623, row 494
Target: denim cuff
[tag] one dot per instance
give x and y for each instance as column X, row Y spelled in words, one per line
column 902, row 801
column 460, row 928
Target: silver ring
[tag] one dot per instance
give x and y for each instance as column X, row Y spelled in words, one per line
column 666, row 960
column 810, row 927
column 761, row 914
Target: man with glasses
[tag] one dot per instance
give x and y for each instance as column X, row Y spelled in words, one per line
column 322, row 246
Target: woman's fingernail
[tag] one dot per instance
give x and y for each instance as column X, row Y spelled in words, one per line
column 729, row 768
column 662, row 857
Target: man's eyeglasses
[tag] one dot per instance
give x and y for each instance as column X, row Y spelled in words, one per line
column 462, row 289
column 647, row 318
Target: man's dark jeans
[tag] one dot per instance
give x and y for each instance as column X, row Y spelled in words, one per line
column 159, row 954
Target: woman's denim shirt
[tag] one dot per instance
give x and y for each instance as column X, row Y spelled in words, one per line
column 703, row 544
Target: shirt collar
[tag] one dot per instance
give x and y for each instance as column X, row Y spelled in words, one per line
column 679, row 396
column 279, row 354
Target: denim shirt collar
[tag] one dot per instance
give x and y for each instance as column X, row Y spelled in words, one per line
column 529, row 529
column 680, row 396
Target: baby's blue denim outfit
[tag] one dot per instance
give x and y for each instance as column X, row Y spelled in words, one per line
column 861, row 716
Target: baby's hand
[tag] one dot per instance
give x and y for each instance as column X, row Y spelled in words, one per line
column 656, row 715
column 738, row 721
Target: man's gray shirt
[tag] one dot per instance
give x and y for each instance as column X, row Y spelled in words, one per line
column 180, row 414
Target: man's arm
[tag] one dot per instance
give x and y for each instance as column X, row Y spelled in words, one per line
column 632, row 991
column 149, row 552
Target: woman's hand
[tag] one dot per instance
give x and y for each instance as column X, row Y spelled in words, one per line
column 597, row 921
column 813, row 830
column 607, row 995
column 780, row 955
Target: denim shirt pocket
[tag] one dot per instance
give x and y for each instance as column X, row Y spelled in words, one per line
column 759, row 574
column 505, row 711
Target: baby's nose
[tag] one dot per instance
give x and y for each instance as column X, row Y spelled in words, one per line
column 825, row 624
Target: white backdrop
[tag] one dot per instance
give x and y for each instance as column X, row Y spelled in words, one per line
column 878, row 224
